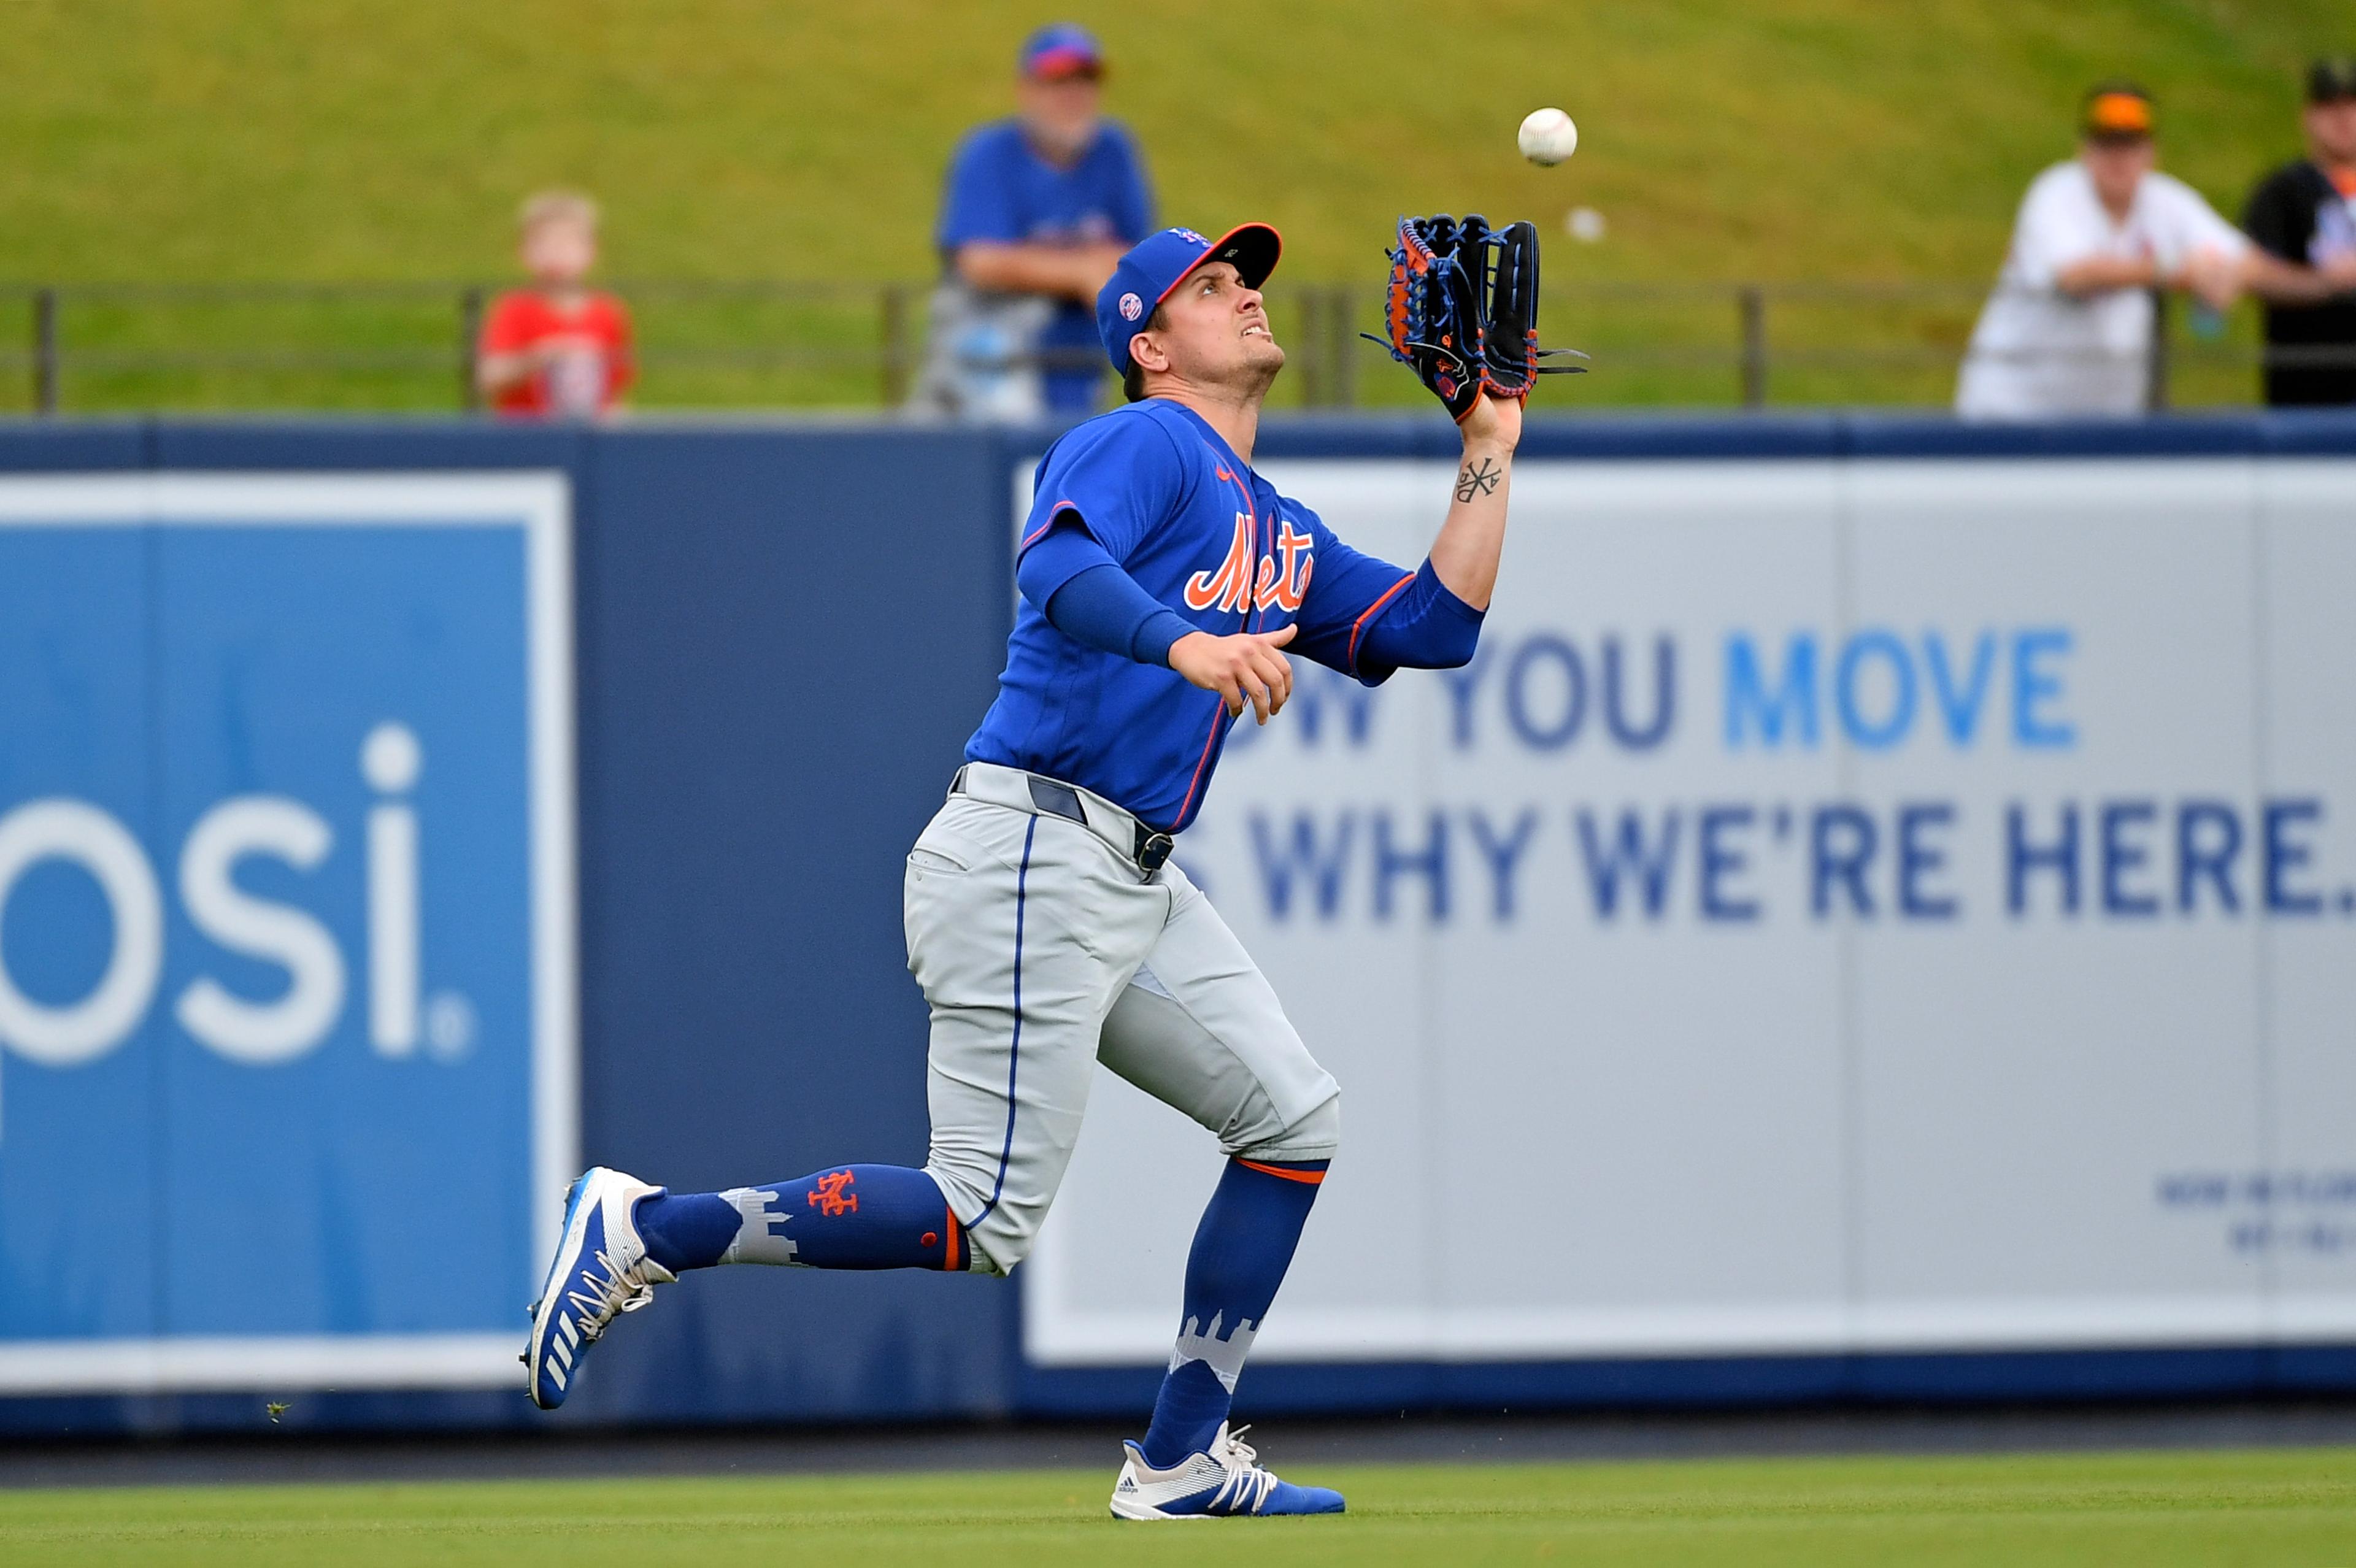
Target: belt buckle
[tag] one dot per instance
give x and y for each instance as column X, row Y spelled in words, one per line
column 1153, row 849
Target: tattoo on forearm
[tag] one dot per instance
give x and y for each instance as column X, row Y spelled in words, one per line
column 1481, row 481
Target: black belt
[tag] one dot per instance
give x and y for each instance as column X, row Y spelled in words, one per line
column 1150, row 850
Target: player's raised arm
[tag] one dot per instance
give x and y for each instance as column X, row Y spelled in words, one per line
column 1465, row 554
column 1366, row 617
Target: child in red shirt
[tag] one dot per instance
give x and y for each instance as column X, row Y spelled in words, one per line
column 557, row 349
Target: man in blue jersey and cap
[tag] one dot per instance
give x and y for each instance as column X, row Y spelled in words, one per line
column 1038, row 209
column 1164, row 587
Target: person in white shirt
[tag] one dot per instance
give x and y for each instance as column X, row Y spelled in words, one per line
column 2069, row 329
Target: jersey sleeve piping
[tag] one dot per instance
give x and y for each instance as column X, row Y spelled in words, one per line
column 1054, row 515
column 1358, row 627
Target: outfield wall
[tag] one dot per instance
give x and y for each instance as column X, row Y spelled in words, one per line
column 1875, row 923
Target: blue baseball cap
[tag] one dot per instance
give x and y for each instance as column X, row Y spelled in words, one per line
column 1160, row 262
column 1058, row 51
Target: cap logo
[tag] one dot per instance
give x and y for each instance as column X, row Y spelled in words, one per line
column 1190, row 234
column 1131, row 307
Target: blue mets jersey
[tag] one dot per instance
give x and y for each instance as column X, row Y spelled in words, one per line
column 1158, row 488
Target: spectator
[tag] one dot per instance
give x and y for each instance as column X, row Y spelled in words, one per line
column 2069, row 328
column 559, row 348
column 1037, row 211
column 2304, row 215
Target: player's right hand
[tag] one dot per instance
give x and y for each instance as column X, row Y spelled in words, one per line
column 1243, row 668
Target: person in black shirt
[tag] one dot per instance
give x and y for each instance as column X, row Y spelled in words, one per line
column 2304, row 214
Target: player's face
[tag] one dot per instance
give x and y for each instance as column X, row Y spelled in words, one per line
column 2331, row 129
column 1218, row 333
column 2117, row 165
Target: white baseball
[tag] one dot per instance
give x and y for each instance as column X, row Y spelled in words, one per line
column 1549, row 136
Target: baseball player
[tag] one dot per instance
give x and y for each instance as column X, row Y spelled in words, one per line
column 1163, row 585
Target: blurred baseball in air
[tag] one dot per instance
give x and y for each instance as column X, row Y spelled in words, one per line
column 1549, row 136
column 1583, row 224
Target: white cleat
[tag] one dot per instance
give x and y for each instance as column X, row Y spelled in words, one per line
column 601, row 1270
column 1223, row 1481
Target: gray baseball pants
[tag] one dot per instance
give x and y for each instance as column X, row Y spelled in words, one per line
column 1044, row 949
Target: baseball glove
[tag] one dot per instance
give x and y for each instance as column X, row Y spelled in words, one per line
column 1463, row 309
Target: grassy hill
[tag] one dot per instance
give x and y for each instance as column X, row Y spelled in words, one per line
column 387, row 141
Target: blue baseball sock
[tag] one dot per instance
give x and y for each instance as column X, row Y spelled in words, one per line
column 847, row 1216
column 1241, row 1250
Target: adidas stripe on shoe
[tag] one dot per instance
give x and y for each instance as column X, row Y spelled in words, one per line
column 601, row 1270
column 1224, row 1481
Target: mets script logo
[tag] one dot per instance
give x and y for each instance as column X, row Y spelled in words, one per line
column 831, row 1198
column 1235, row 586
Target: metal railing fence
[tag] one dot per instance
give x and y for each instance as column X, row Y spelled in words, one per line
column 765, row 343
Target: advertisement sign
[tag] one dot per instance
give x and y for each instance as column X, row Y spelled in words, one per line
column 1866, row 905
column 287, row 1034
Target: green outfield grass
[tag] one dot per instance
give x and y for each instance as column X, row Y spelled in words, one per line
column 2277, row 1508
column 360, row 140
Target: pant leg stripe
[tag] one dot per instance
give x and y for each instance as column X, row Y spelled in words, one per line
column 1014, row 1046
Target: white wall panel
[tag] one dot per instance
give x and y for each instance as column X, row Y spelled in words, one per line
column 1833, row 1090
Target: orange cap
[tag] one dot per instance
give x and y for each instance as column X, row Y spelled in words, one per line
column 2118, row 111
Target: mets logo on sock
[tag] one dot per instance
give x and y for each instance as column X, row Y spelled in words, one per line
column 834, row 1195
column 1281, row 580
